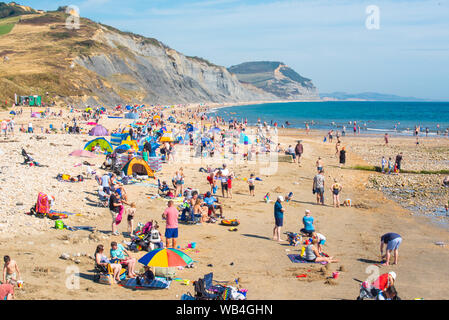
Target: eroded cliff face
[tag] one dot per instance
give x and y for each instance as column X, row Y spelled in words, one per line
column 147, row 71
column 277, row 79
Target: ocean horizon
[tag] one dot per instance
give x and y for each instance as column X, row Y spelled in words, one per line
column 371, row 116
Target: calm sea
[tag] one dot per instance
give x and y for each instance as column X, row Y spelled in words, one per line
column 375, row 117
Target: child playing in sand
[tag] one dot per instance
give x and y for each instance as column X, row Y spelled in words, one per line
column 130, row 213
column 9, row 271
column 251, row 183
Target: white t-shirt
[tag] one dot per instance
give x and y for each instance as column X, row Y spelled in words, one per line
column 105, row 181
column 321, row 237
column 225, row 172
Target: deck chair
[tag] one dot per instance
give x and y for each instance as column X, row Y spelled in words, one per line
column 210, row 286
column 202, row 294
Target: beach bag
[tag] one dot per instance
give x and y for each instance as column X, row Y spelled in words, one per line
column 168, row 273
column 59, row 225
column 106, row 279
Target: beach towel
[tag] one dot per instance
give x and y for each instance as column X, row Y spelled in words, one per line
column 157, row 283
column 296, row 258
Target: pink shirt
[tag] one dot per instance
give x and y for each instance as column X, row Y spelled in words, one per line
column 171, row 215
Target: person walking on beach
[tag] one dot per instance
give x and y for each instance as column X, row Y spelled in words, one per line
column 115, row 205
column 318, row 187
column 398, row 162
column 383, row 163
column 319, row 164
column 342, row 157
column 386, row 139
column 278, row 219
column 392, row 241
column 336, row 189
column 171, row 215
column 299, row 150
column 343, row 131
column 252, row 185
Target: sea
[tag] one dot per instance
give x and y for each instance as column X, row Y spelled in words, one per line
column 371, row 116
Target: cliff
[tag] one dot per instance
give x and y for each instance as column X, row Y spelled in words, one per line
column 276, row 78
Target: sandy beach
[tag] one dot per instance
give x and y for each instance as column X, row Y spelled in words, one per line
column 250, row 255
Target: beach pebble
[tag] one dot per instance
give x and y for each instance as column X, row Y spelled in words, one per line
column 65, row 256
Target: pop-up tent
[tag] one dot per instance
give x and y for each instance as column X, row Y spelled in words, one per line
column 102, row 142
column 139, row 167
column 99, row 131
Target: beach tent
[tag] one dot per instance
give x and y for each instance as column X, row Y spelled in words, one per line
column 82, row 153
column 117, row 138
column 132, row 115
column 102, row 142
column 99, row 130
column 139, row 167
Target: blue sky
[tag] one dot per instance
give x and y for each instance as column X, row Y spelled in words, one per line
column 325, row 40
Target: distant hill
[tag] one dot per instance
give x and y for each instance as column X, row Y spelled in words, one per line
column 13, row 9
column 275, row 78
column 101, row 65
column 369, row 96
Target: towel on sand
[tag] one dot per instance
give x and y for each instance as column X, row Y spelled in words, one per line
column 296, row 258
column 157, row 283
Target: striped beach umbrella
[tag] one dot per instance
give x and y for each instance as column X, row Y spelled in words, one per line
column 165, row 258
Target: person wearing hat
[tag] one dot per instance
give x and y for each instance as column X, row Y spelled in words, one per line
column 392, row 241
column 385, row 281
column 278, row 219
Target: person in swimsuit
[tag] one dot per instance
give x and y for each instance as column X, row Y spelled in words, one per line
column 319, row 164
column 336, row 189
column 342, row 156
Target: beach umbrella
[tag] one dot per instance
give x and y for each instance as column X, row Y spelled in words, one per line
column 13, row 112
column 82, row 153
column 99, row 130
column 165, row 258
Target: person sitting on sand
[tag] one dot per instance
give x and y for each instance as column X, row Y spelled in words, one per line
column 11, row 272
column 120, row 254
column 291, row 151
column 102, row 260
column 200, row 209
column 213, row 204
column 312, row 254
column 307, row 220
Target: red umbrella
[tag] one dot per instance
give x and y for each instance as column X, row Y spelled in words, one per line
column 82, row 153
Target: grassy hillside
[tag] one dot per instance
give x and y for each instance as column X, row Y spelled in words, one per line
column 6, row 24
column 8, row 10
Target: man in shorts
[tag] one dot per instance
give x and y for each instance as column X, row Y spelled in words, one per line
column 171, row 215
column 278, row 219
column 318, row 187
column 392, row 242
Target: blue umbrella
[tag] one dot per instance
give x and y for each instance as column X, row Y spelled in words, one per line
column 122, row 148
column 13, row 112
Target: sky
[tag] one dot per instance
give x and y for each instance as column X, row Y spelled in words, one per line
column 402, row 47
